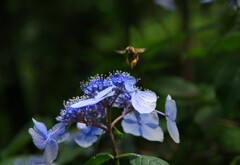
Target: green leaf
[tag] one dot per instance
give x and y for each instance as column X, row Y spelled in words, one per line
column 12, row 160
column 21, row 139
column 146, row 160
column 118, row 133
column 176, row 87
column 99, row 159
column 236, row 161
column 68, row 154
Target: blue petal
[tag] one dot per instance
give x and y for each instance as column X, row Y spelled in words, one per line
column 36, row 161
column 145, row 125
column 99, row 97
column 57, row 131
column 85, row 140
column 152, row 134
column 150, row 119
column 38, row 140
column 131, row 127
column 170, row 108
column 40, row 127
column 96, row 131
column 144, row 101
column 104, row 93
column 173, row 130
column 83, row 103
column 39, row 134
column 51, row 151
column 129, row 84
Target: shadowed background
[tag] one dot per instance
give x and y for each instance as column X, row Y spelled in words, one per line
column 48, row 47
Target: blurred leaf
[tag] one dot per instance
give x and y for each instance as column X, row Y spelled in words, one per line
column 225, row 135
column 229, row 139
column 176, row 87
column 21, row 139
column 230, row 42
column 236, row 161
column 99, row 159
column 12, row 160
column 68, row 154
column 118, row 133
column 146, row 160
column 207, row 115
column 228, row 84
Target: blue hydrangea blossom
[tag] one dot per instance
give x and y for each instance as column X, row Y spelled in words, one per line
column 47, row 140
column 90, row 112
column 87, row 135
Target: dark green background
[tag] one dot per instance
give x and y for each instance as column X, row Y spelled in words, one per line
column 193, row 54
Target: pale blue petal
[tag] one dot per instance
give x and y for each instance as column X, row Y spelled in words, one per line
column 104, row 93
column 150, row 119
column 131, row 127
column 38, row 140
column 57, row 131
column 96, row 131
column 168, row 4
column 83, row 103
column 131, row 117
column 40, row 127
column 130, row 84
column 96, row 99
column 170, row 108
column 206, row 1
column 51, row 151
column 144, row 101
column 36, row 161
column 152, row 134
column 173, row 130
column 85, row 141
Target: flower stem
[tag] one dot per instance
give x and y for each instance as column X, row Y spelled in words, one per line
column 111, row 136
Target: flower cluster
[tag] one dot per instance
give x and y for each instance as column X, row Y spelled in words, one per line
column 90, row 113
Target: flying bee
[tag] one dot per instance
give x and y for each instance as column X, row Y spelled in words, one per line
column 132, row 53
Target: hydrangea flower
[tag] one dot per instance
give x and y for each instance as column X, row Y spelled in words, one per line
column 100, row 94
column 87, row 135
column 47, row 140
column 145, row 125
column 171, row 113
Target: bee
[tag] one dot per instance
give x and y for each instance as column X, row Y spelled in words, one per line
column 132, row 53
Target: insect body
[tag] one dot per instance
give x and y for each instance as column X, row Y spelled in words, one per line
column 132, row 53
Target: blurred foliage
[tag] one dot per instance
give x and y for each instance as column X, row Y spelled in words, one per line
column 193, row 54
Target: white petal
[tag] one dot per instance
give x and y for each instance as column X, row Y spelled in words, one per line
column 81, row 126
column 144, row 101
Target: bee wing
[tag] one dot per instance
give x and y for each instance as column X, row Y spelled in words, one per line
column 140, row 50
column 120, row 51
